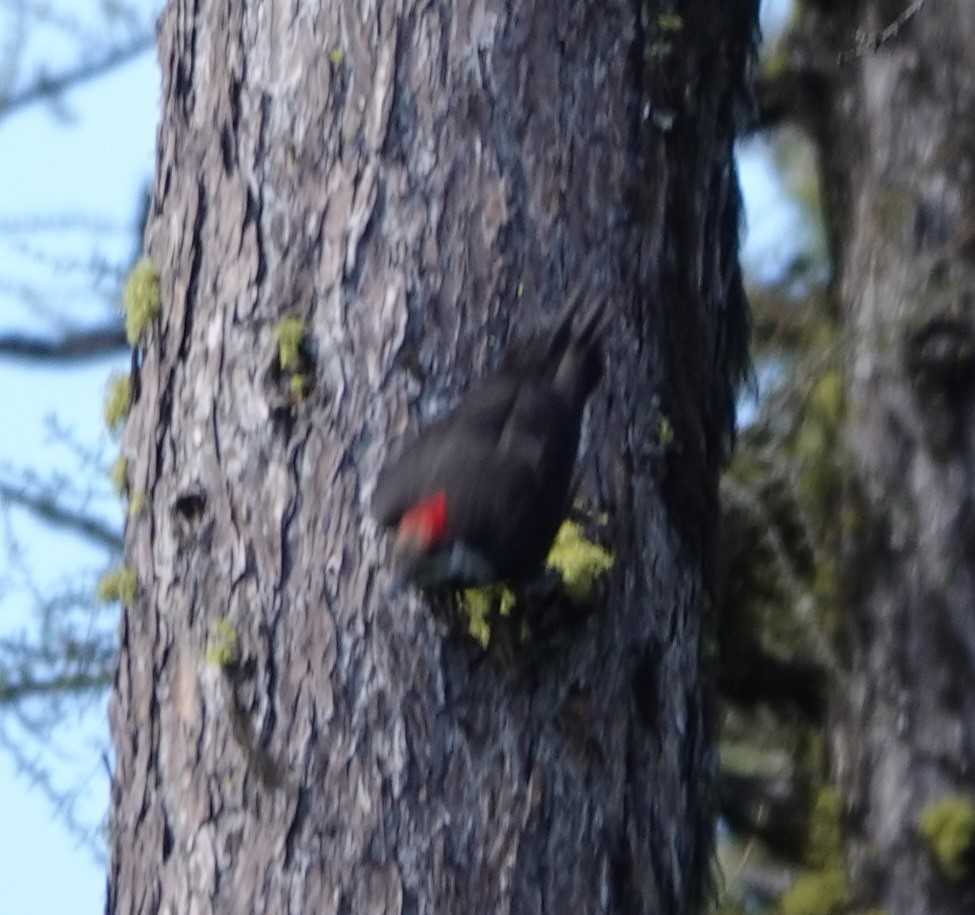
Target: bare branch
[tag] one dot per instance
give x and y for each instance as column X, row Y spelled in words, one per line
column 871, row 42
column 794, row 90
column 70, row 347
column 40, row 223
column 45, row 506
column 64, row 800
column 50, row 87
column 57, row 685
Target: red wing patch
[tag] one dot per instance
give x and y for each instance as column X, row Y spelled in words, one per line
column 426, row 522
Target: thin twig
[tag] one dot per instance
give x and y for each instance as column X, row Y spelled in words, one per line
column 50, row 87
column 70, row 347
column 871, row 42
column 46, row 508
column 71, row 684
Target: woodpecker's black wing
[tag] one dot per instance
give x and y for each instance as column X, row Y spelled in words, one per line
column 487, row 417
column 502, row 459
column 506, row 485
column 416, row 473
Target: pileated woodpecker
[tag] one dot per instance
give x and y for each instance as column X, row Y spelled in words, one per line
column 479, row 496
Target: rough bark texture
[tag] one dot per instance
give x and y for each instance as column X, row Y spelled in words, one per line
column 413, row 179
column 899, row 159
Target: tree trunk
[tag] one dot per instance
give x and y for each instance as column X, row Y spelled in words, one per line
column 411, row 181
column 896, row 125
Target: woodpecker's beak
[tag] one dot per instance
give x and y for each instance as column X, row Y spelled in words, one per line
column 407, row 548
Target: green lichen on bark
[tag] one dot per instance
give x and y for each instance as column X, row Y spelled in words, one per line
column 481, row 605
column 665, row 431
column 118, row 399
column 141, row 300
column 293, row 360
column 579, row 561
column 824, row 892
column 118, row 585
column 290, row 334
column 826, row 839
column 825, row 888
column 670, row 22
column 223, row 650
column 948, row 828
column 137, row 503
column 579, row 564
column 119, row 475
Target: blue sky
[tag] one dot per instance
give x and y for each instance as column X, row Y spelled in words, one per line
column 91, row 168
column 86, row 167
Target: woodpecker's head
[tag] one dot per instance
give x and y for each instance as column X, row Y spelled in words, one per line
column 421, row 530
column 425, row 554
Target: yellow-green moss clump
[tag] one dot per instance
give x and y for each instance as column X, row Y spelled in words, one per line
column 141, row 301
column 825, row 842
column 948, row 826
column 137, row 503
column 293, row 360
column 822, row 893
column 119, row 585
column 223, row 648
column 118, row 473
column 828, row 398
column 479, row 605
column 670, row 22
column 665, row 431
column 299, row 384
column 826, row 890
column 579, row 562
column 290, row 333
column 118, row 399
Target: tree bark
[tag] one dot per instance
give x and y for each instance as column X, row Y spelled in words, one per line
column 412, row 181
column 896, row 136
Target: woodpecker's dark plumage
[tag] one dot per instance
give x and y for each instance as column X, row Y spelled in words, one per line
column 480, row 494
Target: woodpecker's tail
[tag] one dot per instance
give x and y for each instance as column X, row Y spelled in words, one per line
column 578, row 364
column 593, row 324
column 547, row 347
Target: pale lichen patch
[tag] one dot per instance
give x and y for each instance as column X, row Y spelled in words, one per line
column 141, row 300
column 579, row 562
column 118, row 585
column 118, row 399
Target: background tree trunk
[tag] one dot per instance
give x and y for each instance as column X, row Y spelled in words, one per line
column 410, row 180
column 894, row 116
